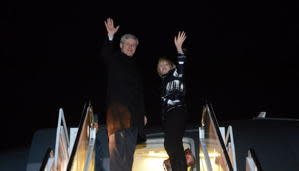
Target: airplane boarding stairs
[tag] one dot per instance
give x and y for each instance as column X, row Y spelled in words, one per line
column 212, row 146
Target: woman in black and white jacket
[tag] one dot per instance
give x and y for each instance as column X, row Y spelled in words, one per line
column 174, row 114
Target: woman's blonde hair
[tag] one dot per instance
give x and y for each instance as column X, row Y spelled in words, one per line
column 164, row 59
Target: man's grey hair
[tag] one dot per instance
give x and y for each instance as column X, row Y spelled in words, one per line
column 128, row 36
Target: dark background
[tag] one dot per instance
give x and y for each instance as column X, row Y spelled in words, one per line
column 242, row 58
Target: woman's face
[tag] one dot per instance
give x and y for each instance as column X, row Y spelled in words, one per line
column 164, row 67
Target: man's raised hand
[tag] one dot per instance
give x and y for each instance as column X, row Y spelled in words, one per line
column 111, row 30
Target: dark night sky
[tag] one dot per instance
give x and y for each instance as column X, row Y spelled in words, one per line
column 241, row 58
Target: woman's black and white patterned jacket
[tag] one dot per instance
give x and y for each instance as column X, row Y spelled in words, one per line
column 173, row 87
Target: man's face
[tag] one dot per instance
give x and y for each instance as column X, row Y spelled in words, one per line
column 128, row 47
